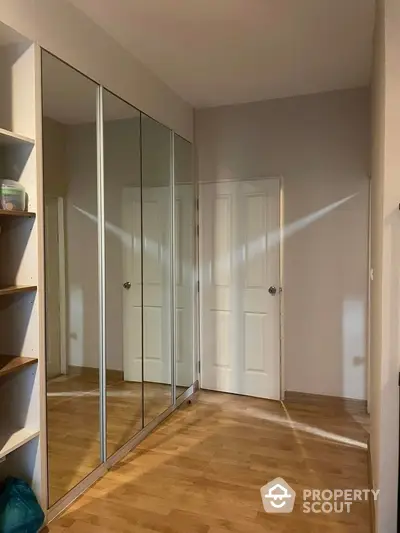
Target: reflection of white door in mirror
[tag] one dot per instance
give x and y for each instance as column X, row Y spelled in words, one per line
column 184, row 283
column 55, row 287
column 156, row 285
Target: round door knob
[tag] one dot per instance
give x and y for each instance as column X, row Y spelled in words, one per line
column 272, row 290
column 127, row 285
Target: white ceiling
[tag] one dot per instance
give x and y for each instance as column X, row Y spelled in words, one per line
column 214, row 52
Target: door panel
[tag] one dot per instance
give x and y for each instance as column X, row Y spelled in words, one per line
column 121, row 128
column 157, row 267
column 157, row 361
column 53, row 310
column 184, row 285
column 156, row 285
column 239, row 261
column 74, row 440
column 132, row 273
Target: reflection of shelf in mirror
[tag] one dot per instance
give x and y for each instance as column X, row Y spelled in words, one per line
column 15, row 289
column 10, row 364
column 9, row 137
column 12, row 440
column 18, row 214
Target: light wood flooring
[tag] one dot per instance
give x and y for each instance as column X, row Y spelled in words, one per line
column 201, row 471
column 74, row 429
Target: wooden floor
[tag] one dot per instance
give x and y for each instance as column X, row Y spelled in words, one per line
column 74, row 429
column 202, row 470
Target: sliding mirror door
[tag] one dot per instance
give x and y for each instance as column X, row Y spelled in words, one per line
column 71, row 268
column 184, row 246
column 157, row 268
column 119, row 272
column 123, row 269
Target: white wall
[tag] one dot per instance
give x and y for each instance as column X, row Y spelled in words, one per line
column 390, row 275
column 81, row 247
column 377, row 175
column 65, row 31
column 320, row 145
column 385, row 347
column 69, row 170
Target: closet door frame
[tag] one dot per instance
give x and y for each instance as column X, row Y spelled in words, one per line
column 173, row 266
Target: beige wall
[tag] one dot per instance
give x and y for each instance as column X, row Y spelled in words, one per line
column 54, row 158
column 378, row 161
column 65, row 31
column 320, row 145
column 385, row 348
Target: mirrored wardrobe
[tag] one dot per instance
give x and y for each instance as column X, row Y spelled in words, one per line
column 119, row 271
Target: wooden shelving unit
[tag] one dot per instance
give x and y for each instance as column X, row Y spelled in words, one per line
column 10, row 364
column 16, row 214
column 14, row 439
column 22, row 450
column 8, row 138
column 17, row 289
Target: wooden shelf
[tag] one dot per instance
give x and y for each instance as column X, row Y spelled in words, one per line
column 10, row 364
column 16, row 289
column 20, row 318
column 12, row 440
column 17, row 214
column 9, row 138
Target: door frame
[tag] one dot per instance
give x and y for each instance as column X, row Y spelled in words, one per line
column 280, row 180
column 62, row 280
column 369, row 289
column 62, row 288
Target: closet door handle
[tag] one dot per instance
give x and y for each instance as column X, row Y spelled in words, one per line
column 127, row 285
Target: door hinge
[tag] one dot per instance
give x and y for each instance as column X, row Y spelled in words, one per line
column 199, row 366
column 197, row 204
column 198, row 286
column 198, row 230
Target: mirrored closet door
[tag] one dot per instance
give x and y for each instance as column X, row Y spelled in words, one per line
column 157, row 268
column 119, row 273
column 123, row 270
column 71, row 275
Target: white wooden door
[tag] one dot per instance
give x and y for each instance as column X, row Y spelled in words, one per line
column 156, row 285
column 132, row 274
column 184, row 283
column 239, row 262
column 54, row 302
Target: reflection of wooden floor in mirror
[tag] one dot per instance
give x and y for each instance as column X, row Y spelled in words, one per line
column 73, row 423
